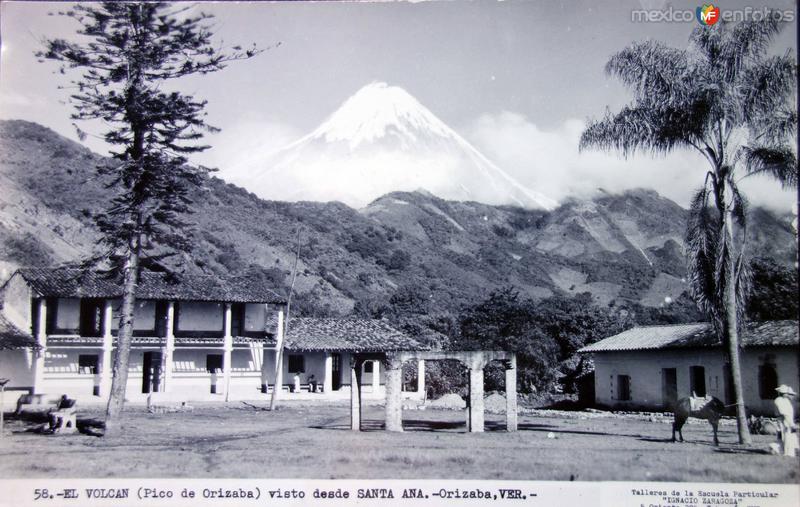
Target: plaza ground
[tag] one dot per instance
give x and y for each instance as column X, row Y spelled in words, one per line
column 314, row 441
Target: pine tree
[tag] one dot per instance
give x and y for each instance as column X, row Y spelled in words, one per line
column 133, row 50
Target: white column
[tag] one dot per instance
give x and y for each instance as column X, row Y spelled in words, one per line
column 327, row 382
column 376, row 376
column 261, row 352
column 511, row 395
column 262, row 356
column 421, row 377
column 108, row 347
column 41, row 340
column 169, row 349
column 475, row 400
column 394, row 395
column 355, row 395
column 279, row 354
column 227, row 347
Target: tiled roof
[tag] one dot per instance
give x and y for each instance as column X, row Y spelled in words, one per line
column 12, row 337
column 347, row 335
column 774, row 333
column 71, row 282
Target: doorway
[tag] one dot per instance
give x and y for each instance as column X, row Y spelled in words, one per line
column 697, row 381
column 151, row 372
column 336, row 371
column 669, row 387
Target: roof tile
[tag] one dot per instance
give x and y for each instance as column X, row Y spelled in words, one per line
column 348, row 335
column 776, row 333
column 72, row 282
column 12, row 337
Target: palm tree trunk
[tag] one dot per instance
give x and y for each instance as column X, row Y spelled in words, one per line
column 732, row 334
column 119, row 382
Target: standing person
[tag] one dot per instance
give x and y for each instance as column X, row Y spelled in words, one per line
column 786, row 425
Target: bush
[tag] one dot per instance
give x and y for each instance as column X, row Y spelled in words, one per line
column 398, row 261
column 773, row 293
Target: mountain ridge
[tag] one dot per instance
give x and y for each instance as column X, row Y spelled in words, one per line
column 621, row 249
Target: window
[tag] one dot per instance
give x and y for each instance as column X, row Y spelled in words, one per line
column 214, row 363
column 297, row 364
column 87, row 364
column 623, row 387
column 697, row 380
column 767, row 381
column 368, row 367
column 91, row 317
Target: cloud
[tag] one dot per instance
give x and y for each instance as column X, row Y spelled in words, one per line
column 13, row 101
column 548, row 161
column 240, row 151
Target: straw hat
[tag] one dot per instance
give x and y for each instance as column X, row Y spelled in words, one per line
column 784, row 389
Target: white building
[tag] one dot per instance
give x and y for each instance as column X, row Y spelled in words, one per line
column 650, row 367
column 197, row 338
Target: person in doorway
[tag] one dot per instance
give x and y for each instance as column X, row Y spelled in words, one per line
column 787, row 429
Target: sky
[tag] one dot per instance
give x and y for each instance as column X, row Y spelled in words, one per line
column 518, row 79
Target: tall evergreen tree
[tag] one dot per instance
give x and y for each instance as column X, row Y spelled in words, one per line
column 727, row 99
column 129, row 52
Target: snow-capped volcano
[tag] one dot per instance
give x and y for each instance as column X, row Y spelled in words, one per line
column 382, row 140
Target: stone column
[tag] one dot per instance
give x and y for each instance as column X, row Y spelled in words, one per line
column 355, row 395
column 327, row 382
column 41, row 340
column 394, row 395
column 421, row 377
column 475, row 399
column 511, row 395
column 376, row 376
column 227, row 347
column 107, row 349
column 169, row 348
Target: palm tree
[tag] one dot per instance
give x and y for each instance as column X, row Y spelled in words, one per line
column 726, row 98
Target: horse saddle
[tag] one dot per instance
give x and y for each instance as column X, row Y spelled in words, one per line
column 696, row 403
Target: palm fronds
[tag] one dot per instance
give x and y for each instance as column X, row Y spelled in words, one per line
column 780, row 163
column 702, row 246
column 650, row 69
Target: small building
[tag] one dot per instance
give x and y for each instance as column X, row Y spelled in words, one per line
column 650, row 367
column 325, row 348
column 196, row 338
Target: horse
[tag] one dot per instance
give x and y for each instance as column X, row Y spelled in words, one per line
column 708, row 408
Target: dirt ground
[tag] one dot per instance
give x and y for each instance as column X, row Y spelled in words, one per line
column 314, row 441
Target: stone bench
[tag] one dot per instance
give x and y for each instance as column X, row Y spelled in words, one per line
column 37, row 403
column 60, row 410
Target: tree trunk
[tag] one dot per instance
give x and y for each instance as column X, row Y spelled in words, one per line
column 732, row 334
column 119, row 382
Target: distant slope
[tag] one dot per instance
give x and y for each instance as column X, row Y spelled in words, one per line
column 622, row 248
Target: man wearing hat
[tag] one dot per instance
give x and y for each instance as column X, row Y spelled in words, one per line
column 783, row 403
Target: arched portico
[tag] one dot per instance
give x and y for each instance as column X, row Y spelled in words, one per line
column 475, row 361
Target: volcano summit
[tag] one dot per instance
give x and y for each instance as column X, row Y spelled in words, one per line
column 382, row 140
